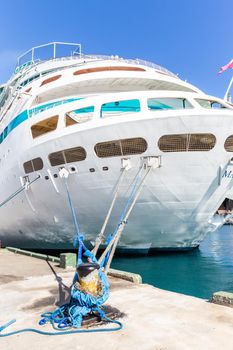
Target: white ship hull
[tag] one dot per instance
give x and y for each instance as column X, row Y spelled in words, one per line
column 175, row 209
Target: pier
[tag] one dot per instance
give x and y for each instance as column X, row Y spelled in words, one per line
column 153, row 318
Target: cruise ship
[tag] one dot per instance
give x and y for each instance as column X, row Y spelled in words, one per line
column 89, row 115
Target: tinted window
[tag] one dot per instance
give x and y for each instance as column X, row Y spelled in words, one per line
column 80, row 115
column 186, row 142
column 44, row 126
column 121, row 147
column 33, row 165
column 69, row 155
column 209, row 104
column 118, row 107
column 228, row 145
column 168, row 103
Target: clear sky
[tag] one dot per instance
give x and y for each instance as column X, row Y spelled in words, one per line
column 191, row 37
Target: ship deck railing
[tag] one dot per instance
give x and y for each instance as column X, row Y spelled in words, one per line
column 31, row 57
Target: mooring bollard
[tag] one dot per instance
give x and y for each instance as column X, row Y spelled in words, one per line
column 88, row 278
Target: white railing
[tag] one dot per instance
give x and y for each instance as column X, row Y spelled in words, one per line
column 42, row 108
column 35, row 56
column 136, row 61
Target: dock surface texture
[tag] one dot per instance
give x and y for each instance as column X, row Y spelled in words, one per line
column 155, row 318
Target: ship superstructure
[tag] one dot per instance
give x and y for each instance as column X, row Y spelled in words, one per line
column 89, row 113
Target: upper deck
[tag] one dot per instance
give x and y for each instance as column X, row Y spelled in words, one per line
column 69, row 72
column 62, row 51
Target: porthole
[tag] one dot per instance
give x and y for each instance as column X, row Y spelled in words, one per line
column 73, row 169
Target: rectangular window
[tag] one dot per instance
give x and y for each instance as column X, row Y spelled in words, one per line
column 168, row 103
column 44, row 126
column 80, row 115
column 186, row 142
column 57, row 158
column 33, row 165
column 228, row 144
column 74, row 154
column 69, row 155
column 209, row 104
column 123, row 147
column 119, row 107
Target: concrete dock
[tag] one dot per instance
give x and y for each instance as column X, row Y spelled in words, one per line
column 155, row 318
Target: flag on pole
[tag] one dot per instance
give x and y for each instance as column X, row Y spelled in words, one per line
column 228, row 65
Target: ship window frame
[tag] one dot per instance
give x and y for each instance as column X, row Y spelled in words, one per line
column 186, row 142
column 115, row 107
column 201, row 103
column 185, row 103
column 64, row 156
column 228, row 146
column 33, row 165
column 119, row 148
column 29, row 80
column 36, row 132
column 84, row 113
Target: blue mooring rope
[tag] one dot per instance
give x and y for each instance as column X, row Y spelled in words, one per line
column 34, row 330
column 70, row 315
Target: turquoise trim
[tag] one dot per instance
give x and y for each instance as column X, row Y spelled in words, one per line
column 20, row 118
column 49, row 105
column 84, row 110
column 20, row 68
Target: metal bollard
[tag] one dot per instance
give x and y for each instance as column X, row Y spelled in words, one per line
column 88, row 278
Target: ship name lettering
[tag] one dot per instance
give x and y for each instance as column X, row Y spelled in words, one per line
column 228, row 174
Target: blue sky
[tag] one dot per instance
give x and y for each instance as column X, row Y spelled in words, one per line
column 192, row 38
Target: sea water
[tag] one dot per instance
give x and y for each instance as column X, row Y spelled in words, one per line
column 199, row 272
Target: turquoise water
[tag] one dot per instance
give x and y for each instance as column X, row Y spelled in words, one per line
column 200, row 272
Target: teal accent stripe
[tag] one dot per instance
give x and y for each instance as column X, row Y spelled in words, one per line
column 49, row 105
column 13, row 124
column 20, row 118
column 84, row 110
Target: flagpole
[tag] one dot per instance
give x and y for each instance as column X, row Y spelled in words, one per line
column 228, row 89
